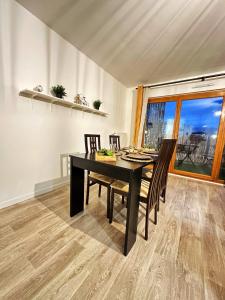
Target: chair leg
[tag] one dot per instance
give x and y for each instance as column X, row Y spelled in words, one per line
column 123, row 200
column 108, row 201
column 164, row 195
column 157, row 205
column 87, row 192
column 99, row 190
column 111, row 206
column 155, row 214
column 146, row 223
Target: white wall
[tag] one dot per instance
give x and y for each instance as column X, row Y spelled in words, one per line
column 32, row 137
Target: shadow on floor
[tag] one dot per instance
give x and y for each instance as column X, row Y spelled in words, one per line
column 92, row 221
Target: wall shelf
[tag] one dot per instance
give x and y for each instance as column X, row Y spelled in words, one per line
column 51, row 99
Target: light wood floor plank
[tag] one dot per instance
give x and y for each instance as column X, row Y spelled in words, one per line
column 45, row 254
column 28, row 288
column 20, row 249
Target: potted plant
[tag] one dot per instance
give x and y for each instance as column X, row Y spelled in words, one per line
column 97, row 104
column 58, row 91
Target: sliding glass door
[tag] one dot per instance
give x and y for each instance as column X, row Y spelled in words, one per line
column 197, row 138
column 197, row 121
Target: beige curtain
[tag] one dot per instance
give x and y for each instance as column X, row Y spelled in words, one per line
column 138, row 114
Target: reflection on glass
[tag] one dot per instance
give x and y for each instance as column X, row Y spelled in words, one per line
column 198, row 129
column 222, row 167
column 159, row 123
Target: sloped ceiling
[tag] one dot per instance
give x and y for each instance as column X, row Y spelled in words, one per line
column 141, row 41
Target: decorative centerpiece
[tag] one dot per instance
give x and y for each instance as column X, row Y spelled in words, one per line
column 105, row 155
column 58, row 91
column 97, row 103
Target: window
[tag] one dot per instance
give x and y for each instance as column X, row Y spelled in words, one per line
column 159, row 123
column 199, row 122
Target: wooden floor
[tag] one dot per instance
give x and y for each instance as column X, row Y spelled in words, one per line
column 45, row 254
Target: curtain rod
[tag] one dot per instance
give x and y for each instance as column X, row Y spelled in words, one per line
column 202, row 78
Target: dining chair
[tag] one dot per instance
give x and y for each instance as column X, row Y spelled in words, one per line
column 93, row 144
column 114, row 140
column 150, row 190
column 147, row 173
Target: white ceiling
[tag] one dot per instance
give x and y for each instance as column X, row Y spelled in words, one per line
column 141, row 41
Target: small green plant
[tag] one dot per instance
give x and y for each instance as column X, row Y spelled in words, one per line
column 105, row 152
column 97, row 103
column 58, row 91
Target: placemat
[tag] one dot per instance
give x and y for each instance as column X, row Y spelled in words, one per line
column 149, row 152
column 138, row 156
column 124, row 157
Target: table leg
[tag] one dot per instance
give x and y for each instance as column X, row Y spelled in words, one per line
column 132, row 210
column 76, row 190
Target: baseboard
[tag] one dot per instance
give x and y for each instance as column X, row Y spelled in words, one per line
column 196, row 179
column 39, row 189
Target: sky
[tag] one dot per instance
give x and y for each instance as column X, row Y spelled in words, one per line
column 201, row 114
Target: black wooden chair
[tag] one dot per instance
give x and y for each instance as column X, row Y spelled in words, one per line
column 147, row 173
column 150, row 190
column 93, row 144
column 114, row 140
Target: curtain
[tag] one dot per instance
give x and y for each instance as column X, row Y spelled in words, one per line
column 138, row 114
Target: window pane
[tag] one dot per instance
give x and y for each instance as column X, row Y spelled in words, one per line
column 198, row 129
column 159, row 123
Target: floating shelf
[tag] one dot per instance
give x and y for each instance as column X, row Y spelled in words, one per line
column 51, row 99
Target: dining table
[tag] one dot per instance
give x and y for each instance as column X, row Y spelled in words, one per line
column 120, row 169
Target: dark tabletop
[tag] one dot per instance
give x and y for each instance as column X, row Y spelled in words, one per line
column 119, row 163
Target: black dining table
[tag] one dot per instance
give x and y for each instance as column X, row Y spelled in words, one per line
column 120, row 169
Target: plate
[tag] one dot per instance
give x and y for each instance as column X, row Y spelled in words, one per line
column 150, row 154
column 138, row 156
column 119, row 153
column 149, row 160
column 149, row 151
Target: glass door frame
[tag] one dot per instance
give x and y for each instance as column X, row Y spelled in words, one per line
column 178, row 98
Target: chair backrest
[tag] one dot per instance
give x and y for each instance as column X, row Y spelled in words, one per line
column 160, row 170
column 114, row 140
column 92, row 143
column 172, row 145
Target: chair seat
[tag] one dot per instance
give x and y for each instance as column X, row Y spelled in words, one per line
column 123, row 186
column 147, row 174
column 100, row 177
